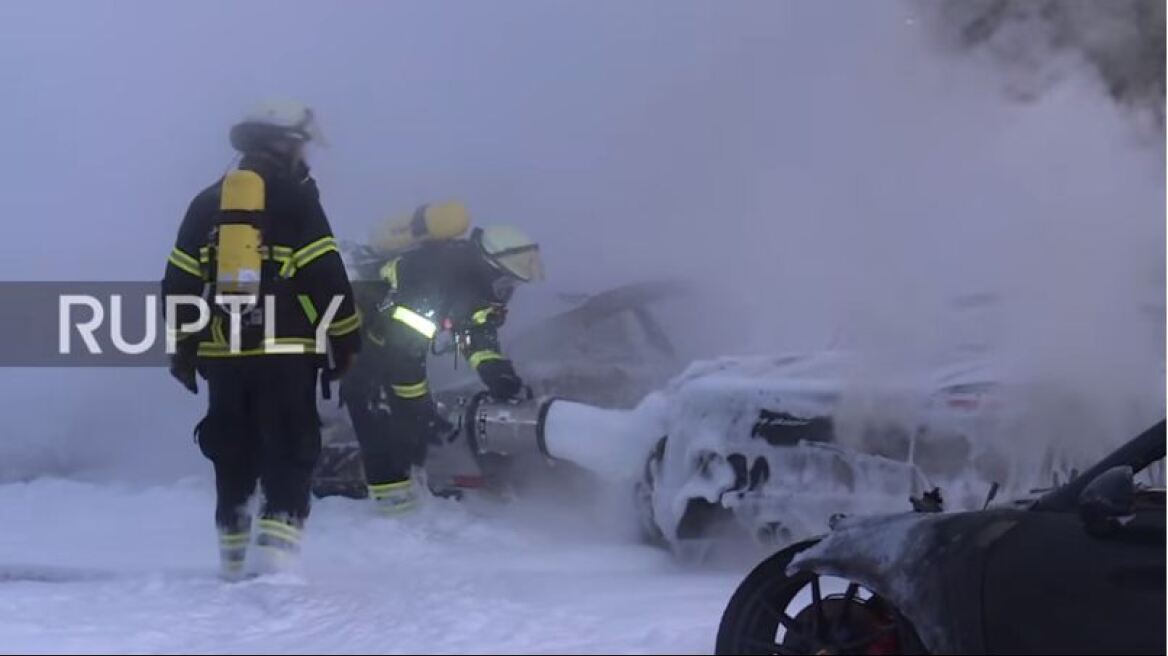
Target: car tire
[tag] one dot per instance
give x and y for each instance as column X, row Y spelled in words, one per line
column 746, row 616
column 851, row 624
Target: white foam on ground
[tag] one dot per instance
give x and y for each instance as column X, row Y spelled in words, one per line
column 99, row 568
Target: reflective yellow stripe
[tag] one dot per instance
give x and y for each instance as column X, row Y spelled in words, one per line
column 277, row 253
column 234, row 539
column 416, row 321
column 482, row 316
column 280, row 529
column 393, row 497
column 303, row 341
column 345, row 326
column 389, row 272
column 283, row 532
column 223, row 350
column 382, row 490
column 185, row 262
column 309, row 249
column 378, row 487
column 479, row 357
column 217, row 336
column 309, row 308
column 244, row 353
column 184, row 257
column 278, row 526
column 414, row 391
column 376, row 339
column 301, row 258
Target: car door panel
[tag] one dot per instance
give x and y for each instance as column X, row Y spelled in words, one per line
column 1050, row 587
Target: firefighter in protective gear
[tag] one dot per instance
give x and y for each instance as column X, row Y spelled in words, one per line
column 260, row 233
column 460, row 285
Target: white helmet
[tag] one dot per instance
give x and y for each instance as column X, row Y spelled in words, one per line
column 512, row 251
column 282, row 119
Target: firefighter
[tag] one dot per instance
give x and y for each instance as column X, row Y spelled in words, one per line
column 260, row 233
column 461, row 285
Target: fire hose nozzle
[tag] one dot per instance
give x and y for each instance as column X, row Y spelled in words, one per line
column 609, row 442
column 507, row 427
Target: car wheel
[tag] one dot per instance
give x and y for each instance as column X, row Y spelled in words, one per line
column 773, row 613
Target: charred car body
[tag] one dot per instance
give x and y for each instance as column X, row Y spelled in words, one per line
column 1078, row 570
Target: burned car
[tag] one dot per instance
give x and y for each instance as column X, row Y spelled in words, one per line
column 1079, row 569
column 755, row 451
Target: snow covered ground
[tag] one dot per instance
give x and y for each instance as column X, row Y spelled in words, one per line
column 90, row 567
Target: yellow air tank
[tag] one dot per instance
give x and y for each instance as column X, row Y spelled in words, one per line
column 445, row 220
column 238, row 258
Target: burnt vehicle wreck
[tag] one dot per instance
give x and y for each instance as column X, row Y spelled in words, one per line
column 1079, row 569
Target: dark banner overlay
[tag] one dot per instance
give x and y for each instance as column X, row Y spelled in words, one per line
column 82, row 324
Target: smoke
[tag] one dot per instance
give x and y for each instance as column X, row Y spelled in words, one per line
column 1073, row 237
column 914, row 162
column 833, row 176
column 1036, row 45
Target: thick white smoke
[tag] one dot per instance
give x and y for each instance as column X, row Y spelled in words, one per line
column 836, row 175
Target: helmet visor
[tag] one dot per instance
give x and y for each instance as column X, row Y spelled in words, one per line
column 523, row 263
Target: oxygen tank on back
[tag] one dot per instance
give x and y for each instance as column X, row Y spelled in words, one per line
column 432, row 221
column 238, row 240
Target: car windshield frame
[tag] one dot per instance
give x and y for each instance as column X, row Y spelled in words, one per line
column 1139, row 452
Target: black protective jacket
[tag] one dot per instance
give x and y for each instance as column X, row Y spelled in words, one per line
column 439, row 285
column 302, row 268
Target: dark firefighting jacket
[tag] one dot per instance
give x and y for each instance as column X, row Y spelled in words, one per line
column 302, row 269
column 443, row 285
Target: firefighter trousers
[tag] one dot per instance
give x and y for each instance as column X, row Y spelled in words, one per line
column 261, row 426
column 393, row 431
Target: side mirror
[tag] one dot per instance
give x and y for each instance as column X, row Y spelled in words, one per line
column 1107, row 500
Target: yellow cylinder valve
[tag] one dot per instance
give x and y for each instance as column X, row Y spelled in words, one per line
column 444, row 220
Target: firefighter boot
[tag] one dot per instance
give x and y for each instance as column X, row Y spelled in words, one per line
column 277, row 545
column 233, row 541
column 393, row 499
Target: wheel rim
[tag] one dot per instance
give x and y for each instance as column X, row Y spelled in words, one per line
column 851, row 621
